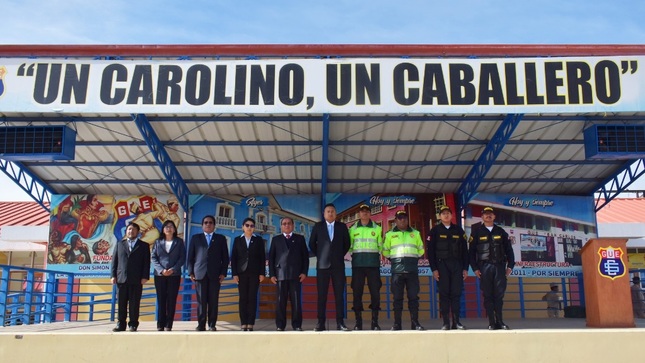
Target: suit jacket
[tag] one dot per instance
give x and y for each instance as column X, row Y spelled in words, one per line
column 330, row 253
column 173, row 259
column 287, row 263
column 251, row 259
column 130, row 267
column 204, row 260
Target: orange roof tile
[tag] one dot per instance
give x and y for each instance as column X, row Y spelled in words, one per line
column 622, row 210
column 23, row 214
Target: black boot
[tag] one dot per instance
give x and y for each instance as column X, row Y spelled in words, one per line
column 359, row 321
column 499, row 322
column 456, row 324
column 446, row 322
column 397, row 320
column 414, row 318
column 375, row 325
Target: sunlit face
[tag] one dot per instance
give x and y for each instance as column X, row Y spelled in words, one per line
column 364, row 214
column 402, row 222
column 208, row 225
column 169, row 229
column 132, row 232
column 286, row 226
column 488, row 218
column 330, row 214
column 446, row 217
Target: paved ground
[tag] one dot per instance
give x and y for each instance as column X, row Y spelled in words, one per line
column 269, row 326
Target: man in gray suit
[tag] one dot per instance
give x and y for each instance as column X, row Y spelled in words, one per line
column 130, row 271
column 288, row 266
column 207, row 267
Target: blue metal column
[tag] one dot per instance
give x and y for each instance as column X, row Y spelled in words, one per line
column 325, row 160
column 164, row 161
column 468, row 189
column 631, row 171
column 29, row 182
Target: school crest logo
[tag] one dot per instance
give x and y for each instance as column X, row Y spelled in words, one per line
column 611, row 263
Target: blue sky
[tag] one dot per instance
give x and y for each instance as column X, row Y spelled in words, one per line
column 323, row 22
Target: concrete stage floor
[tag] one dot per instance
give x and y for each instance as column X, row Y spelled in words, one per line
column 530, row 340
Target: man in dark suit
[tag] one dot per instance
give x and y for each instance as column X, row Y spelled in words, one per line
column 130, row 271
column 329, row 242
column 207, row 266
column 288, row 266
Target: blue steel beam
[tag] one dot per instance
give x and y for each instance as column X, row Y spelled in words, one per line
column 27, row 181
column 168, row 169
column 618, row 183
column 476, row 175
column 325, row 159
column 258, row 180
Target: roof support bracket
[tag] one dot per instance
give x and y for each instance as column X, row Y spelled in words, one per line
column 476, row 175
column 164, row 161
column 29, row 182
column 618, row 183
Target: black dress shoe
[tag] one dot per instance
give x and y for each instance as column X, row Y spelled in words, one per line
column 117, row 329
column 297, row 329
column 200, row 328
column 133, row 328
column 502, row 326
column 458, row 326
column 279, row 329
column 342, row 326
column 249, row 329
column 212, row 328
column 375, row 326
column 168, row 329
column 396, row 327
column 417, row 326
column 319, row 327
column 159, row 329
column 492, row 327
column 445, row 327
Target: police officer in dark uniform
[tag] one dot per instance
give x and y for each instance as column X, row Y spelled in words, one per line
column 448, row 255
column 492, row 260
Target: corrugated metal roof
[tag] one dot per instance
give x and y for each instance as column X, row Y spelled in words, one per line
column 622, row 210
column 23, row 214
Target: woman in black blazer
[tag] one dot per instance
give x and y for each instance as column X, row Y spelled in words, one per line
column 168, row 256
column 248, row 260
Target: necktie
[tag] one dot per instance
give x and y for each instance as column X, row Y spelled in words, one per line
column 289, row 236
column 330, row 228
column 208, row 239
column 131, row 243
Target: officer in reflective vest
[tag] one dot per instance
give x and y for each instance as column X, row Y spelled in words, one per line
column 448, row 257
column 366, row 239
column 492, row 260
column 403, row 247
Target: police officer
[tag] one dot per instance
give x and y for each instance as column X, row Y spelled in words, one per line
column 492, row 260
column 403, row 247
column 448, row 255
column 366, row 245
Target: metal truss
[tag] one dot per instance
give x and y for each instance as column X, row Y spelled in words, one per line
column 29, row 182
column 476, row 175
column 618, row 183
column 164, row 161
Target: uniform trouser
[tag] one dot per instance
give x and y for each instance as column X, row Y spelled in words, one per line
column 409, row 281
column 207, row 291
column 289, row 290
column 249, row 283
column 553, row 312
column 451, row 283
column 373, row 276
column 129, row 296
column 337, row 277
column 493, row 287
column 167, row 289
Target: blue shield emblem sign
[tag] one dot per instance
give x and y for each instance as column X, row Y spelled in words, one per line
column 611, row 263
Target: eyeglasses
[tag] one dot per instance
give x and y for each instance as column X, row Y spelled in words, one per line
column 249, row 225
column 168, row 226
column 209, row 222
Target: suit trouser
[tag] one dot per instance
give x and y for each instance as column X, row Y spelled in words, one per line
column 129, row 295
column 493, row 287
column 337, row 277
column 451, row 283
column 289, row 290
column 248, row 303
column 409, row 281
column 207, row 291
column 373, row 276
column 167, row 289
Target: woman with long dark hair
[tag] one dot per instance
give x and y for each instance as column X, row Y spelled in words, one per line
column 168, row 256
column 248, row 259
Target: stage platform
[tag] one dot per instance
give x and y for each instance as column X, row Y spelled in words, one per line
column 530, row 340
